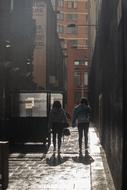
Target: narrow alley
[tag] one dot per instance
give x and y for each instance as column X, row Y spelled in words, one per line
column 63, row 50
column 29, row 171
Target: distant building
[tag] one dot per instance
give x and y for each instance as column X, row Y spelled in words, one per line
column 78, row 72
column 16, row 48
column 16, row 42
column 72, row 27
column 22, row 37
column 29, row 44
column 48, row 69
column 30, row 54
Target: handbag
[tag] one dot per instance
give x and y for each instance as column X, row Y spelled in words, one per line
column 66, row 132
column 64, row 125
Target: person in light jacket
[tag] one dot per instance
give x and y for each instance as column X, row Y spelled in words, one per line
column 56, row 123
column 81, row 118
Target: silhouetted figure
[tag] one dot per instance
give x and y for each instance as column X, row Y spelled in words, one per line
column 57, row 121
column 81, row 118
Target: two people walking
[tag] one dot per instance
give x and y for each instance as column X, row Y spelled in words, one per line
column 80, row 119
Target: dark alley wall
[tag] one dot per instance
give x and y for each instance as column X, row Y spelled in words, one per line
column 106, row 86
column 16, row 42
column 125, row 93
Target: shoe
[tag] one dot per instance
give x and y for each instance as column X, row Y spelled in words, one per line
column 86, row 153
column 59, row 158
column 86, row 147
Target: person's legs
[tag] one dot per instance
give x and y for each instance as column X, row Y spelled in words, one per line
column 80, row 131
column 54, row 137
column 59, row 140
column 86, row 127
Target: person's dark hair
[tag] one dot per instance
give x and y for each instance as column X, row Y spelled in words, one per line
column 84, row 101
column 57, row 104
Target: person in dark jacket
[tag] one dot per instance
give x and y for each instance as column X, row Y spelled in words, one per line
column 56, row 123
column 81, row 118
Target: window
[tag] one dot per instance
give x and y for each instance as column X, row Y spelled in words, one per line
column 86, row 19
column 81, row 62
column 60, row 16
column 60, row 3
column 72, row 29
column 62, row 42
column 77, row 62
column 72, row 4
column 86, row 63
column 72, row 17
column 77, row 79
column 73, row 43
column 86, row 42
column 38, row 3
column 60, row 28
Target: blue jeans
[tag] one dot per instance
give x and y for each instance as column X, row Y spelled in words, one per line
column 83, row 129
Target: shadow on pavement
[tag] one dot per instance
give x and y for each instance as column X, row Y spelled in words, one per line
column 28, row 148
column 56, row 160
column 87, row 159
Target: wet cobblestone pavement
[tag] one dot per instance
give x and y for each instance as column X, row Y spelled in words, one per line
column 40, row 171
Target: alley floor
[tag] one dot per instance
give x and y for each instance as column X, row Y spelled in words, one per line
column 45, row 171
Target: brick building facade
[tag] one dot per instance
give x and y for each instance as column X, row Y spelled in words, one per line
column 72, row 27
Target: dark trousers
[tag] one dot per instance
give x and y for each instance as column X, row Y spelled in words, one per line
column 57, row 130
column 83, row 130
